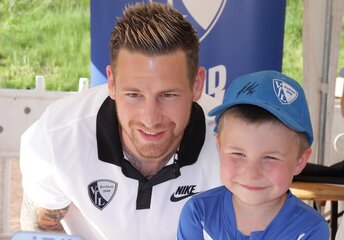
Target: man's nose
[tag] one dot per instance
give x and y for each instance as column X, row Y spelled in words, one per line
column 151, row 112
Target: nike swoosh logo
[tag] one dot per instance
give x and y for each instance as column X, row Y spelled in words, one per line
column 176, row 199
column 301, row 236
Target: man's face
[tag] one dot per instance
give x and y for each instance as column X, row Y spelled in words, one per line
column 153, row 98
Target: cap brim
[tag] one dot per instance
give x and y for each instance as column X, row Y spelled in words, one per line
column 284, row 118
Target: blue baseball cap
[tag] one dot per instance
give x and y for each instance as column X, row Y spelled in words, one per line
column 277, row 93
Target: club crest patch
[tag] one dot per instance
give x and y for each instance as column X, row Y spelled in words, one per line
column 285, row 93
column 101, row 192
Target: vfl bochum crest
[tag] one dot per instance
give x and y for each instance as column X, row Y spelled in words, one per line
column 285, row 93
column 101, row 192
column 203, row 14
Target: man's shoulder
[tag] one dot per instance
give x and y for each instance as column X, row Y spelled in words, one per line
column 87, row 97
column 208, row 103
column 76, row 107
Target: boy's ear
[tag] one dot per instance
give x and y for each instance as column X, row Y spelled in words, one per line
column 302, row 161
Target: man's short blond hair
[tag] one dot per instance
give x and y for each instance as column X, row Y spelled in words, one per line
column 155, row 29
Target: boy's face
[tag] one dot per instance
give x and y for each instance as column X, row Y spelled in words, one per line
column 258, row 161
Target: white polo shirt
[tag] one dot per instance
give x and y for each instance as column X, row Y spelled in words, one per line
column 73, row 156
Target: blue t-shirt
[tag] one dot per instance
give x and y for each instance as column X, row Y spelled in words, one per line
column 210, row 215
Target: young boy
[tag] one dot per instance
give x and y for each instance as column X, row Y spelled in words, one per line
column 264, row 134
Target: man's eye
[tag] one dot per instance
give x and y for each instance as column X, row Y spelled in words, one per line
column 168, row 95
column 133, row 95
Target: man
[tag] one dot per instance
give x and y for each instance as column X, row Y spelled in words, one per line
column 119, row 163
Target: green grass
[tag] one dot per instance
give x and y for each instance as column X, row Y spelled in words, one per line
column 292, row 49
column 44, row 37
column 341, row 52
column 52, row 38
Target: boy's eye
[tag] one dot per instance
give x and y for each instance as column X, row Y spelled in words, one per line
column 270, row 158
column 238, row 154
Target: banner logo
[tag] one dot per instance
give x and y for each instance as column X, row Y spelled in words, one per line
column 203, row 14
column 101, row 192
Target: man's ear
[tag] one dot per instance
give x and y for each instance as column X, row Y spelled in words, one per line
column 111, row 82
column 198, row 85
column 302, row 161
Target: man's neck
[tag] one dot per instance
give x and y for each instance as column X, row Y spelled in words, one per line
column 147, row 167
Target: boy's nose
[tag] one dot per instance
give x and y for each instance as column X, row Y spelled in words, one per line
column 253, row 171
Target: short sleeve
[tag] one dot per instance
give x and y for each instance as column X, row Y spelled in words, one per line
column 37, row 167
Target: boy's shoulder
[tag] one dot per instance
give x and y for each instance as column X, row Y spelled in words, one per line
column 297, row 218
column 302, row 206
column 217, row 192
column 297, row 212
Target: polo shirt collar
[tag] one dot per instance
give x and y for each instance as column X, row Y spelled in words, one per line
column 110, row 149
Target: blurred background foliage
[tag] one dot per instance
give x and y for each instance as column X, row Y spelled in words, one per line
column 52, row 38
column 44, row 37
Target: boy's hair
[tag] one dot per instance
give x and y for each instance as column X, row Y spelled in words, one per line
column 155, row 29
column 256, row 115
column 278, row 94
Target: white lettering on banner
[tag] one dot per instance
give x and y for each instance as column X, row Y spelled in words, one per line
column 216, row 82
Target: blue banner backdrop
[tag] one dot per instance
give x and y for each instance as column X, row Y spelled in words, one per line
column 237, row 37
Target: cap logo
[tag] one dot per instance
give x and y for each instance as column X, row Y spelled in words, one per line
column 285, row 93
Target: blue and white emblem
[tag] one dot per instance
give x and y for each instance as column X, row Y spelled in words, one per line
column 203, row 14
column 101, row 192
column 285, row 93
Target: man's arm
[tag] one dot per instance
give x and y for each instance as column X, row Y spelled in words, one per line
column 34, row 218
